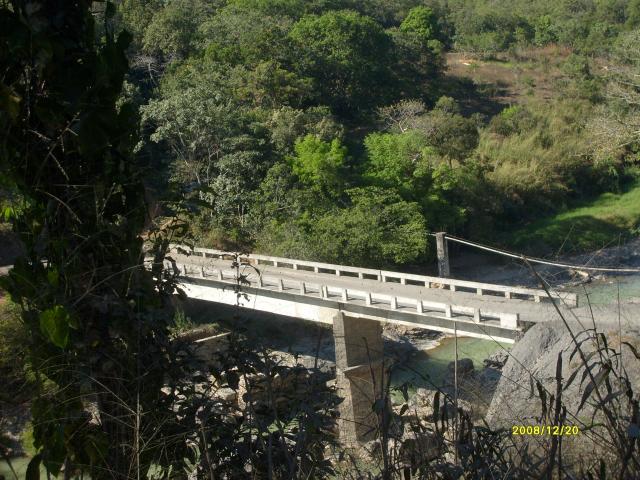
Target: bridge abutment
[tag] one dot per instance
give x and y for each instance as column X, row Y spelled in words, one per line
column 361, row 376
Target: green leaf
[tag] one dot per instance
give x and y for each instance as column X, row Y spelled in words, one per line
column 52, row 277
column 33, row 469
column 9, row 101
column 54, row 324
column 597, row 380
column 8, row 213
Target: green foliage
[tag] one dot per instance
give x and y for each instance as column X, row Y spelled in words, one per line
column 15, row 372
column 399, row 161
column 54, row 324
column 588, row 226
column 171, row 29
column 346, row 54
column 318, row 164
column 288, row 124
column 241, row 35
column 416, row 66
column 513, row 120
column 245, row 118
column 290, row 8
column 93, row 314
column 378, row 228
column 454, row 136
column 136, row 15
column 423, row 22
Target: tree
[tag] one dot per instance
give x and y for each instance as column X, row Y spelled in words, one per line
column 318, row 164
column 399, row 161
column 99, row 341
column 377, row 229
column 275, row 8
column 347, row 55
column 219, row 151
column 615, row 132
column 172, row 31
column 416, row 65
column 288, row 124
column 402, row 116
column 454, row 136
column 423, row 22
column 241, row 35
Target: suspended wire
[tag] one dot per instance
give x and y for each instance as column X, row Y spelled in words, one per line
column 523, row 257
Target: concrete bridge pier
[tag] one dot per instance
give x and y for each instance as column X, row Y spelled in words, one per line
column 361, row 376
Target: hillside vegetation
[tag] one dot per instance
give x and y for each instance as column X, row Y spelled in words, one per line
column 343, row 131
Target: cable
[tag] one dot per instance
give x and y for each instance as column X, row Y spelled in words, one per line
column 520, row 256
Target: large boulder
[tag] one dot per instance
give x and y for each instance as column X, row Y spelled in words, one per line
column 534, row 358
column 465, row 367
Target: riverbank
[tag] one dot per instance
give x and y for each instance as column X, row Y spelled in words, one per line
column 470, row 264
column 588, row 226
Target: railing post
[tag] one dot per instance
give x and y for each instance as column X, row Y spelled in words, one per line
column 303, row 288
column 509, row 320
column 394, row 303
column 220, row 276
column 345, row 295
column 202, row 272
column 443, row 255
column 476, row 315
column 447, row 311
column 419, row 306
column 368, row 299
column 280, row 285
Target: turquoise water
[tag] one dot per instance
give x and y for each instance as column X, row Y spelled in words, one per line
column 20, row 466
column 606, row 292
column 428, row 368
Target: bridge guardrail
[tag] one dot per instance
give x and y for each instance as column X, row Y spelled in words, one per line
column 507, row 320
column 537, row 295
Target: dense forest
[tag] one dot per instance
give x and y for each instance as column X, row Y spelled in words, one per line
column 342, row 131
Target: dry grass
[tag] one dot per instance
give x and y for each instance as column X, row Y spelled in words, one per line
column 515, row 78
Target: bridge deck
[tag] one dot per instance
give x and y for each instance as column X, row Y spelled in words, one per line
column 527, row 310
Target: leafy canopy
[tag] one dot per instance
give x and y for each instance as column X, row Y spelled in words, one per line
column 318, row 163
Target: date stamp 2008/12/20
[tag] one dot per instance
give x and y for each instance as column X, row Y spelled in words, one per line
column 553, row 430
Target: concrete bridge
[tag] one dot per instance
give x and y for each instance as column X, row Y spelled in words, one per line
column 317, row 291
column 356, row 302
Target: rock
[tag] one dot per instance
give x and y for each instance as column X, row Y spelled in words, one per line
column 497, row 359
column 276, row 392
column 465, row 367
column 421, row 406
column 516, row 400
column 417, row 445
column 227, row 394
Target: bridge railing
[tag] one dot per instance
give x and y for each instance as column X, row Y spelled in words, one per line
column 537, row 295
column 369, row 298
